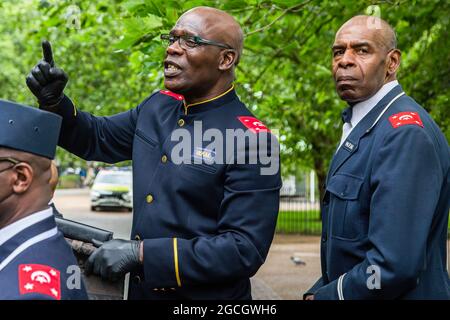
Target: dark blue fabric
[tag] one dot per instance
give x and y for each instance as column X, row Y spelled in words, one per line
column 53, row 252
column 386, row 206
column 223, row 215
column 347, row 115
column 28, row 129
column 11, row 244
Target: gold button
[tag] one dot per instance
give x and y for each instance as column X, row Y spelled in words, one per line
column 181, row 122
column 164, row 159
column 149, row 198
column 137, row 237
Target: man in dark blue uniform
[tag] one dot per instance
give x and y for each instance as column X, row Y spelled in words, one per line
column 385, row 210
column 35, row 260
column 203, row 218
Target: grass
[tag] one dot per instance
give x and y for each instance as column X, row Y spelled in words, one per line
column 302, row 222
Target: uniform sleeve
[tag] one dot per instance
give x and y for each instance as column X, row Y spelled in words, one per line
column 106, row 139
column 245, row 228
column 34, row 296
column 406, row 182
column 316, row 286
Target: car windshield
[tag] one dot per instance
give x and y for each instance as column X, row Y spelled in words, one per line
column 114, row 178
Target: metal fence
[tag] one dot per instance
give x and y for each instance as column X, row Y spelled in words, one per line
column 299, row 215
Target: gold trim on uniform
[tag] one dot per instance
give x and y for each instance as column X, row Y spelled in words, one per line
column 186, row 106
column 175, row 258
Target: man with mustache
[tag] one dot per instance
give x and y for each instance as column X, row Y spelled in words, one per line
column 200, row 230
column 36, row 263
column 385, row 209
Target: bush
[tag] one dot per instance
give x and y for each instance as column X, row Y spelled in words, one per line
column 69, row 181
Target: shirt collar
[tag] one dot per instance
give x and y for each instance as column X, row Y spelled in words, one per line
column 16, row 227
column 361, row 109
column 208, row 104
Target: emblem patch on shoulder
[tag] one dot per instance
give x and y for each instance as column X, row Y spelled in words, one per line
column 253, row 124
column 176, row 96
column 39, row 278
column 404, row 118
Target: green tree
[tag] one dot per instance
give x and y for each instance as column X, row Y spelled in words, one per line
column 285, row 77
column 112, row 53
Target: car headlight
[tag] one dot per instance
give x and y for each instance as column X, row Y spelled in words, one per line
column 95, row 194
column 128, row 196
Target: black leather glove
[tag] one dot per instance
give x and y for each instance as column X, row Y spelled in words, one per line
column 46, row 81
column 114, row 259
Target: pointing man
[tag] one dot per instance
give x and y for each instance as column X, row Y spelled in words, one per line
column 201, row 227
column 385, row 210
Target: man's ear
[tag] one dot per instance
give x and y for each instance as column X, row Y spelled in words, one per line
column 227, row 59
column 393, row 62
column 24, row 175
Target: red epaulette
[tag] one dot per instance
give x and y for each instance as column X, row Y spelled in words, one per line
column 253, row 124
column 404, row 118
column 176, row 96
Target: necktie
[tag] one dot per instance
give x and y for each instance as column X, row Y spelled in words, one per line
column 347, row 115
column 347, row 127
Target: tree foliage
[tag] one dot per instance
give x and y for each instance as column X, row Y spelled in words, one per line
column 112, row 53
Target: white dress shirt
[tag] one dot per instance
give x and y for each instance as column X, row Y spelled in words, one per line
column 361, row 109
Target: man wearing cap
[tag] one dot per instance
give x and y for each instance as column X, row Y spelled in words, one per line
column 35, row 260
column 385, row 209
column 201, row 227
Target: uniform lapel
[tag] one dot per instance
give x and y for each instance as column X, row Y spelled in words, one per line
column 24, row 233
column 350, row 145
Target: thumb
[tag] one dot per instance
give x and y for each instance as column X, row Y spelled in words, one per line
column 90, row 262
column 97, row 243
column 47, row 51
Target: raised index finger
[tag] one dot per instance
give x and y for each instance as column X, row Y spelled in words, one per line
column 47, row 51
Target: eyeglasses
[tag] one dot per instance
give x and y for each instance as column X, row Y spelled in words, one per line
column 187, row 42
column 12, row 160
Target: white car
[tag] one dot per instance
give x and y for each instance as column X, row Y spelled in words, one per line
column 112, row 188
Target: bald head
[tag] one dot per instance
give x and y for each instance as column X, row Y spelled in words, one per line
column 201, row 69
column 382, row 32
column 365, row 57
column 217, row 25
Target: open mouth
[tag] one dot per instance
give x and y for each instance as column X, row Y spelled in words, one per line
column 171, row 69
